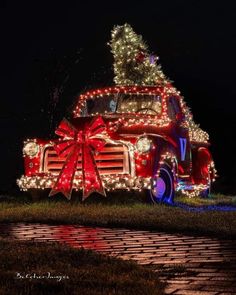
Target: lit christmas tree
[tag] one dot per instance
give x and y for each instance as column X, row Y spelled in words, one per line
column 133, row 64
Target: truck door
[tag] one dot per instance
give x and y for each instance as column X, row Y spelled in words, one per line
column 180, row 135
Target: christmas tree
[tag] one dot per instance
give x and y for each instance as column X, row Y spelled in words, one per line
column 134, row 65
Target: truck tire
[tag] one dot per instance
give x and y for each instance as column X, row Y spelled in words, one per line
column 163, row 190
column 207, row 192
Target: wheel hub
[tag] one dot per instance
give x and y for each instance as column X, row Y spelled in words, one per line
column 159, row 188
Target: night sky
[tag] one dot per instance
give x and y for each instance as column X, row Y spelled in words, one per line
column 53, row 46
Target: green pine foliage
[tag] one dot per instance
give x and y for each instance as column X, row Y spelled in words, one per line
column 133, row 64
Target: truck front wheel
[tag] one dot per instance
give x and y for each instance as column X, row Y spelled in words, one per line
column 163, row 188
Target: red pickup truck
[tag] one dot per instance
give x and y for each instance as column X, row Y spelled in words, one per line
column 149, row 143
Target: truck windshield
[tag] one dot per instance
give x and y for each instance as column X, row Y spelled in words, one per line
column 123, row 103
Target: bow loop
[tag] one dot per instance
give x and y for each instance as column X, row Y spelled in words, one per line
column 66, row 129
column 97, row 126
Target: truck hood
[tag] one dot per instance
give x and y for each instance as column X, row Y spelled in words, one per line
column 123, row 128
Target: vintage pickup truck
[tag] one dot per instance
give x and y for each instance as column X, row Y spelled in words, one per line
column 150, row 143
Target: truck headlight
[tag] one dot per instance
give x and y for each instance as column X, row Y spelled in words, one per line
column 30, row 149
column 143, row 144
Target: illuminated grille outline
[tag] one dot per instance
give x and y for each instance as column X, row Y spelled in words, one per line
column 113, row 159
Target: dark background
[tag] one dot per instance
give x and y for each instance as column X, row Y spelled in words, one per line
column 50, row 52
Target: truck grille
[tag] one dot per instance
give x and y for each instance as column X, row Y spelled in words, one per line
column 113, row 159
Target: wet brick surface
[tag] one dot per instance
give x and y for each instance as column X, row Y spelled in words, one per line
column 189, row 265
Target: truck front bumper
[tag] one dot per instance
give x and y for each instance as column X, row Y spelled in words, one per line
column 110, row 182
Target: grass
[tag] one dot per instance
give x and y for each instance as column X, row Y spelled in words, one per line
column 84, row 271
column 214, row 199
column 129, row 214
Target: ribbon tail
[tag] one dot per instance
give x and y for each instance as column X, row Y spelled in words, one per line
column 62, row 190
column 64, row 183
column 91, row 179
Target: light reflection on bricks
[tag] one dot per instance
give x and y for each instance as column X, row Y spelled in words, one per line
column 208, row 264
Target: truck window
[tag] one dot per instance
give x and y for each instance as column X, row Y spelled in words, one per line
column 100, row 105
column 173, row 107
column 146, row 104
column 123, row 103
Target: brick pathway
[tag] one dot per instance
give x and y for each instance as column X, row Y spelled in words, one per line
column 190, row 265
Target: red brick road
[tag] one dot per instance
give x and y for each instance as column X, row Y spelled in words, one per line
column 189, row 264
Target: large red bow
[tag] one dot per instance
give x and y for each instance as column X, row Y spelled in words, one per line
column 72, row 143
